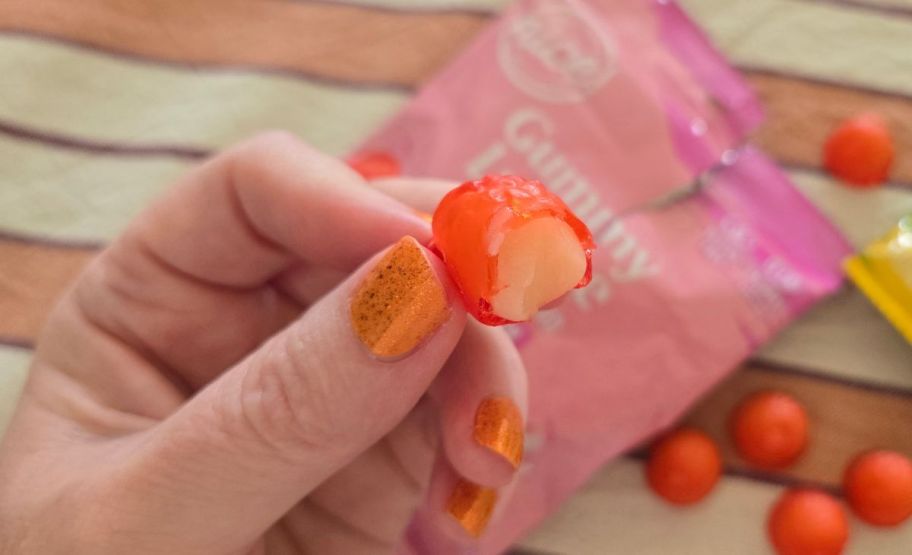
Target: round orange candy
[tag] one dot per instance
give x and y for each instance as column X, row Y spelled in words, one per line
column 878, row 486
column 860, row 151
column 769, row 429
column 684, row 466
column 374, row 165
column 808, row 522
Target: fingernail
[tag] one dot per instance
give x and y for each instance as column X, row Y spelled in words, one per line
column 499, row 427
column 399, row 303
column 471, row 505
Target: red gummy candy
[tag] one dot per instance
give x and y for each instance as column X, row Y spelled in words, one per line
column 808, row 522
column 511, row 246
column 684, row 466
column 878, row 486
column 374, row 165
column 860, row 151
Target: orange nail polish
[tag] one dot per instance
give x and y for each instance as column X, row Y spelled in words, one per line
column 499, row 427
column 471, row 505
column 399, row 303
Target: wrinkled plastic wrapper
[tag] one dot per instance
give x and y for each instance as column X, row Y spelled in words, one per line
column 615, row 105
column 883, row 272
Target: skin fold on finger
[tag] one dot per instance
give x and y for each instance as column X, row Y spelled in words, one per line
column 305, row 284
column 183, row 327
column 482, row 398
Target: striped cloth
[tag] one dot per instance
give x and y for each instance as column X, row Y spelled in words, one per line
column 104, row 102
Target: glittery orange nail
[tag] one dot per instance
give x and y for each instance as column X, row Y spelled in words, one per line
column 499, row 427
column 471, row 505
column 399, row 303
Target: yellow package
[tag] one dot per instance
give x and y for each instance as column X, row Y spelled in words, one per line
column 883, row 271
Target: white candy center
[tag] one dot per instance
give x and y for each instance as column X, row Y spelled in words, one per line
column 538, row 262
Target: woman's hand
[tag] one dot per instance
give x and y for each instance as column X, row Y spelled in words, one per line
column 245, row 370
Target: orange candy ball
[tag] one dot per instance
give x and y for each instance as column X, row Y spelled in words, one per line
column 684, row 466
column 878, row 486
column 769, row 429
column 374, row 165
column 808, row 522
column 860, row 151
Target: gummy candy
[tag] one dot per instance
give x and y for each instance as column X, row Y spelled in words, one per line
column 512, row 246
column 878, row 486
column 769, row 429
column 374, row 165
column 860, row 151
column 808, row 522
column 684, row 466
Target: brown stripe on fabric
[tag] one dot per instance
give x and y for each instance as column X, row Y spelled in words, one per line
column 333, row 41
column 448, row 8
column 845, row 420
column 213, row 67
column 885, row 8
column 18, row 131
column 52, row 242
column 32, row 277
column 818, row 374
column 801, row 113
column 16, row 343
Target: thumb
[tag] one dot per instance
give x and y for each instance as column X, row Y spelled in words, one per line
column 250, row 445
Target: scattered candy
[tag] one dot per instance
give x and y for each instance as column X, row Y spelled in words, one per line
column 684, row 466
column 808, row 522
column 860, row 151
column 878, row 486
column 374, row 165
column 511, row 246
column 769, row 429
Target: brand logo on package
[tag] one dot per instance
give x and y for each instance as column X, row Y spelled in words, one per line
column 550, row 51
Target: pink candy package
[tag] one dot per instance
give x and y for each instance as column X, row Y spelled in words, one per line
column 610, row 103
column 614, row 104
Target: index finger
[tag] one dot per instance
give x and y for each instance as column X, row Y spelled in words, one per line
column 244, row 216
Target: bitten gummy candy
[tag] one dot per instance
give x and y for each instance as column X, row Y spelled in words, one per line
column 511, row 246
